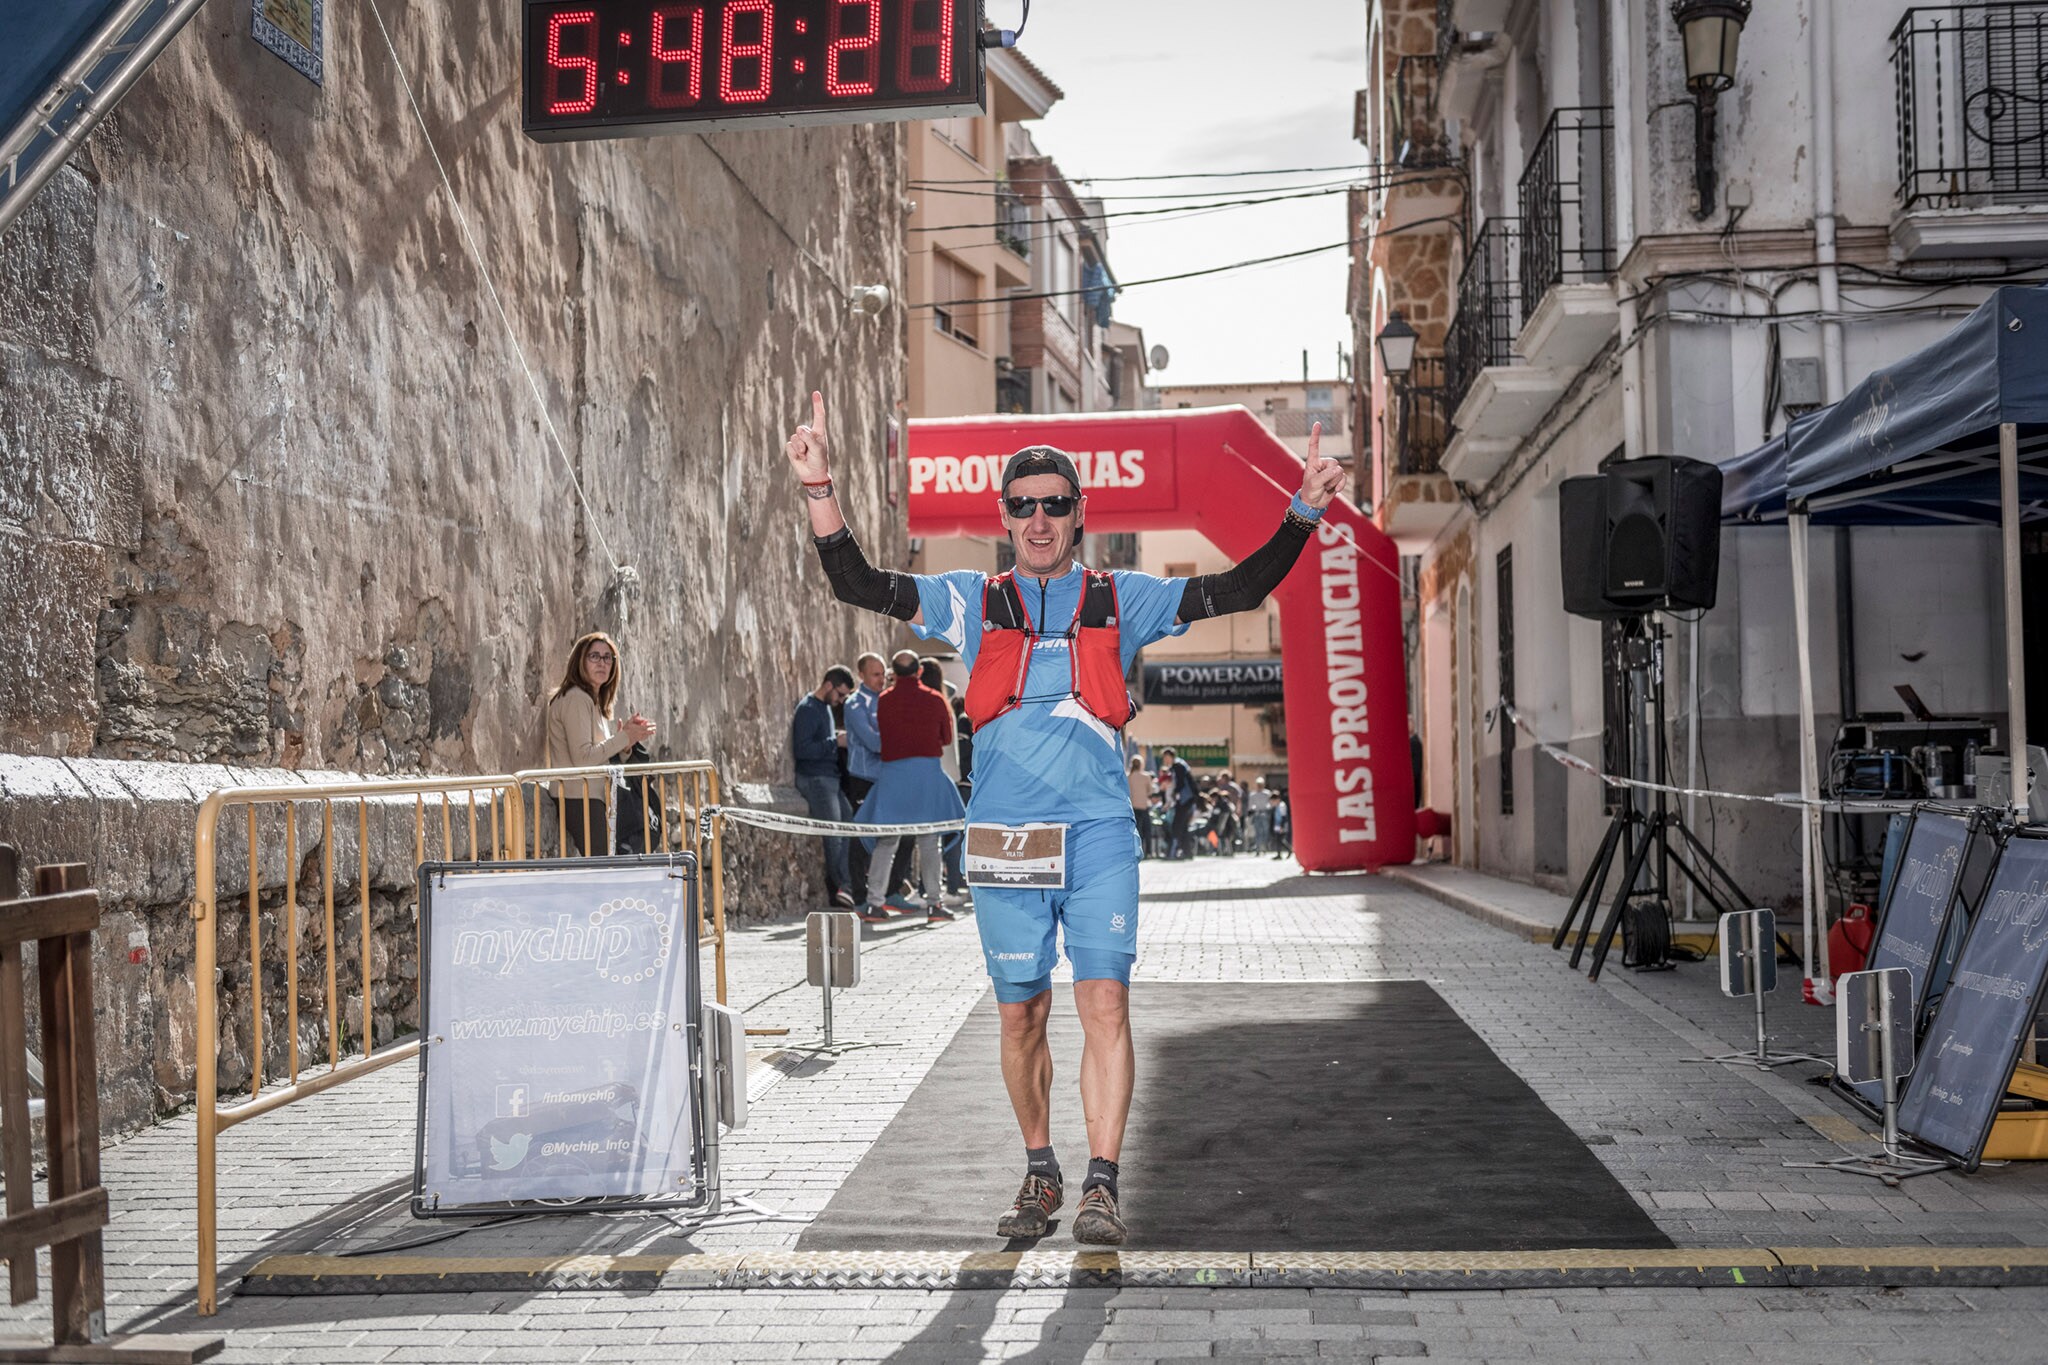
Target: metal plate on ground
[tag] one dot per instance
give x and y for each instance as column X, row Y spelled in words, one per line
column 1912, row 1266
column 1664, row 1267
column 989, row 1269
column 1647, row 1267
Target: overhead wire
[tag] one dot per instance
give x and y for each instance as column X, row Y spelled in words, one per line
column 1185, row 175
column 1195, row 274
column 1146, row 213
column 1345, row 183
column 1052, row 231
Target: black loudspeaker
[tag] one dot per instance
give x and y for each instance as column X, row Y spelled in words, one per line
column 1641, row 535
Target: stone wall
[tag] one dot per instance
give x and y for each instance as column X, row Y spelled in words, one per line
column 275, row 490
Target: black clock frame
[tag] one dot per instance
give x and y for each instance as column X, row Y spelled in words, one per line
column 796, row 99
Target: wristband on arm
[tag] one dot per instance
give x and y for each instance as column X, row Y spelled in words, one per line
column 1253, row 581
column 859, row 583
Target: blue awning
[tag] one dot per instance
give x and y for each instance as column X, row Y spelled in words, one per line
column 1917, row 441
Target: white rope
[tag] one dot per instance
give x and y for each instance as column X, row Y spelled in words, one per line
column 1573, row 761
column 491, row 288
column 803, row 824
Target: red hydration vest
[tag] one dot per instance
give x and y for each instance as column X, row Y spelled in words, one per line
column 995, row 684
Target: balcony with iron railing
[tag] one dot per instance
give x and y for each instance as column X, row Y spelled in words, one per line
column 1566, row 206
column 1489, row 307
column 1416, row 137
column 1013, row 222
column 1971, row 85
column 1495, row 398
column 1421, row 425
column 1567, row 251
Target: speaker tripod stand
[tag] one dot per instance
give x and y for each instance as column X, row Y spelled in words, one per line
column 1646, row 835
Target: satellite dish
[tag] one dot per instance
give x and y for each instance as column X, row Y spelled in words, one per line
column 1158, row 357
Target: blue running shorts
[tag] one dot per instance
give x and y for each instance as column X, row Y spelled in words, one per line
column 1096, row 912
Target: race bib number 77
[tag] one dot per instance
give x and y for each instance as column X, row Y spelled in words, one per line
column 1017, row 855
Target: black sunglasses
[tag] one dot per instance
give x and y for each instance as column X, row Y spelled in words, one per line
column 1058, row 505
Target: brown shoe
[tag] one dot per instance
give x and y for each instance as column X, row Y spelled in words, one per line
column 1096, row 1221
column 1036, row 1203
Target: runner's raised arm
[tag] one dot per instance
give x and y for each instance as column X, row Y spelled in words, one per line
column 854, row 581
column 1251, row 582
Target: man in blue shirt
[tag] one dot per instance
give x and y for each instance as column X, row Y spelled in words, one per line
column 864, row 760
column 814, row 745
column 1051, row 845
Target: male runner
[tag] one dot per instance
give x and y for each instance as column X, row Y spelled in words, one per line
column 1047, row 648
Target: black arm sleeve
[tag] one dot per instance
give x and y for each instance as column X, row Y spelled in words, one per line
column 1250, row 583
column 859, row 583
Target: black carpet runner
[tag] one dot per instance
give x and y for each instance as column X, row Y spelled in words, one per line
column 1272, row 1116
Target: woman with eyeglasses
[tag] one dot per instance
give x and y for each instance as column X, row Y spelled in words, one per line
column 580, row 733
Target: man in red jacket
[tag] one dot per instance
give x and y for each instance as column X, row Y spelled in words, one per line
column 914, row 789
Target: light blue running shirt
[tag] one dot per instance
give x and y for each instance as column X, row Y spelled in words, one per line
column 1048, row 759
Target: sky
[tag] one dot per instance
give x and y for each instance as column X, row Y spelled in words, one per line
column 1156, row 88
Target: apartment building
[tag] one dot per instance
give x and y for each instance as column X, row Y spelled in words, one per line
column 1010, row 289
column 1596, row 252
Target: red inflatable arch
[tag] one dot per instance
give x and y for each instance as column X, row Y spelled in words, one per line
column 1218, row 471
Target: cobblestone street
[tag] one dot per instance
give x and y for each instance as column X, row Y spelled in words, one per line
column 1699, row 1147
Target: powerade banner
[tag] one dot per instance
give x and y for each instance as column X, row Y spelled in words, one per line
column 557, row 1055
column 1966, row 1059
column 1218, row 471
column 1240, row 682
column 1915, row 922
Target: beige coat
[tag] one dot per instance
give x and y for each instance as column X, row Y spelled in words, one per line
column 577, row 735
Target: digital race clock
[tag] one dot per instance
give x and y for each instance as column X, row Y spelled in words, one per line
column 615, row 68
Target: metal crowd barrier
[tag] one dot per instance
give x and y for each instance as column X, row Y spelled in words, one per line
column 492, row 817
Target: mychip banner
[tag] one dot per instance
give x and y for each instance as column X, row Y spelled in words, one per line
column 556, row 1064
column 1987, row 1013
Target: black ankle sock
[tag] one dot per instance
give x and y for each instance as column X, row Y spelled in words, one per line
column 1041, row 1161
column 1100, row 1172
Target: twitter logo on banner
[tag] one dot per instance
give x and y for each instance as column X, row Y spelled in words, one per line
column 505, row 1155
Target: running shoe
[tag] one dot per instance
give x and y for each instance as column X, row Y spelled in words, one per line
column 871, row 914
column 1096, row 1221
column 939, row 914
column 903, row 905
column 843, row 898
column 1036, row 1203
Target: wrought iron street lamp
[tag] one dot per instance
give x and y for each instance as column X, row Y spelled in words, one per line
column 1396, row 341
column 1710, row 31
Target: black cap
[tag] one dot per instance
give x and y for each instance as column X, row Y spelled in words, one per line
column 1041, row 460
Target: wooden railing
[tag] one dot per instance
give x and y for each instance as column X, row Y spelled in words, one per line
column 59, row 919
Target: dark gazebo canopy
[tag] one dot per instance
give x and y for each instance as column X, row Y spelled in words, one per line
column 1917, row 441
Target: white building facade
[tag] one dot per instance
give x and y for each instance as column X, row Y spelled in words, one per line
column 1597, row 271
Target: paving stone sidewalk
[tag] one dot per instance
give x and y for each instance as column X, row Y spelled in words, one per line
column 1699, row 1146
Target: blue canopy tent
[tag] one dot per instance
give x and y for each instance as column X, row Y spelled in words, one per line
column 1957, row 432
column 1917, row 442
